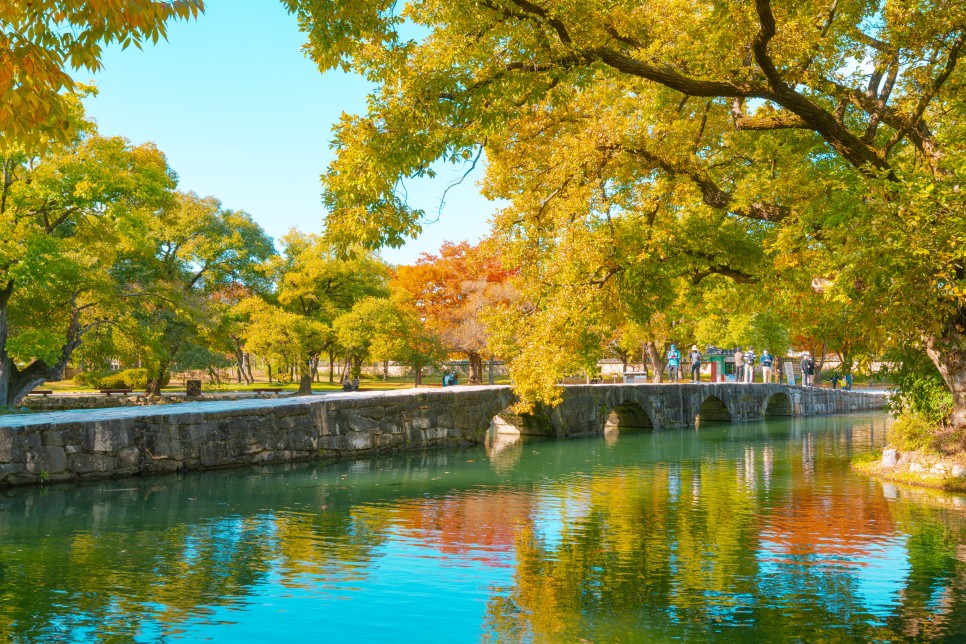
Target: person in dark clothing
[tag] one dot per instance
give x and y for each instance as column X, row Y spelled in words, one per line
column 750, row 365
column 835, row 380
column 695, row 357
column 808, row 369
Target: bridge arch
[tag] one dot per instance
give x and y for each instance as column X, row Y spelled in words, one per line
column 778, row 404
column 713, row 410
column 508, row 423
column 627, row 415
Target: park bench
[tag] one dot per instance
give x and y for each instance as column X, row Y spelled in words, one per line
column 116, row 391
column 267, row 390
column 40, row 392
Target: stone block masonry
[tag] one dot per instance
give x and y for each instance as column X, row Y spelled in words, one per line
column 124, row 441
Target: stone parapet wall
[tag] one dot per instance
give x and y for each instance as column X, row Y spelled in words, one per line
column 64, row 447
column 103, row 401
column 95, row 444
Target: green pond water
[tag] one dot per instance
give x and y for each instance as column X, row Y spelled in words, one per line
column 756, row 532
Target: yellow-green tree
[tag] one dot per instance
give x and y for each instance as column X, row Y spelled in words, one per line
column 831, row 132
column 312, row 286
column 73, row 225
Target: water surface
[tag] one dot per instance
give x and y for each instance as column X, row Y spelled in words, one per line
column 751, row 532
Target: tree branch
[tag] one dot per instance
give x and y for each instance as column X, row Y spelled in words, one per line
column 778, row 122
column 711, row 193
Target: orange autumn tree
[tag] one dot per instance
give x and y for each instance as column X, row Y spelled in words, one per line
column 451, row 290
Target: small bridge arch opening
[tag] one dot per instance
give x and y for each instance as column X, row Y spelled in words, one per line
column 713, row 410
column 627, row 416
column 778, row 404
column 508, row 423
column 505, row 423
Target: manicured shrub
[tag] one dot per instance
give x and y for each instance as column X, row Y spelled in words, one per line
column 128, row 379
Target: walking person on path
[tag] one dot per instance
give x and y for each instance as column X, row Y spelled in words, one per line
column 750, row 365
column 767, row 360
column 808, row 369
column 835, row 381
column 695, row 357
column 848, row 381
column 739, row 365
column 673, row 363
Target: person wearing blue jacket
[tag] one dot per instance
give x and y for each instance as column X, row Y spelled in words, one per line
column 673, row 363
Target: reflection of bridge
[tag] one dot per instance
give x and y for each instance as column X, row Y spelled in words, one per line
column 205, row 435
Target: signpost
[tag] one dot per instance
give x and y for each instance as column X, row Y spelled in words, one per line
column 789, row 372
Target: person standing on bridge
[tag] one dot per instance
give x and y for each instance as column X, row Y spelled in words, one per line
column 750, row 365
column 695, row 357
column 673, row 363
column 767, row 360
column 808, row 369
column 739, row 365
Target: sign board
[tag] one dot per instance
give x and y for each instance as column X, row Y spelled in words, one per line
column 789, row 372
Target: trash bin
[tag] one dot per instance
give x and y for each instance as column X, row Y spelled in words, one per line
column 193, row 388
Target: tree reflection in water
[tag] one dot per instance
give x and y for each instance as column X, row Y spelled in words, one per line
column 754, row 531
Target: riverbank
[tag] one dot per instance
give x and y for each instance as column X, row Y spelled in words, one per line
column 917, row 468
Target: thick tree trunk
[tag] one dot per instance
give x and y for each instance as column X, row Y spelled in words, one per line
column 305, row 385
column 268, row 368
column 419, row 374
column 655, row 362
column 820, row 362
column 15, row 384
column 385, row 370
column 476, row 368
column 6, row 364
column 948, row 352
column 250, row 377
column 156, row 380
column 331, row 367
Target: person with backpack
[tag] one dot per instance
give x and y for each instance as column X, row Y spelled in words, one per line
column 750, row 365
column 673, row 363
column 808, row 369
column 766, row 360
column 695, row 357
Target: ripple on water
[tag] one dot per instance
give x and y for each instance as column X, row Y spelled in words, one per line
column 754, row 532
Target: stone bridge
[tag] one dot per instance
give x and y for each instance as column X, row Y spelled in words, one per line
column 93, row 444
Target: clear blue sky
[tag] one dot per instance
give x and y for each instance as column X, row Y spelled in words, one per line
column 242, row 115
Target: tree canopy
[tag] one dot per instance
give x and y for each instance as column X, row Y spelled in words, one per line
column 640, row 144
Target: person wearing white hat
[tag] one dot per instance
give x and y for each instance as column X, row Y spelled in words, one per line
column 750, row 365
column 695, row 357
